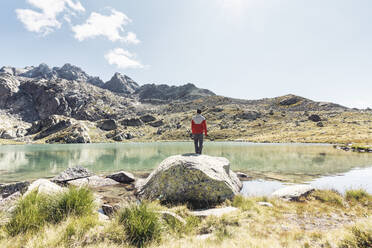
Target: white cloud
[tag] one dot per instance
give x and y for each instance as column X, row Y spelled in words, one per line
column 110, row 26
column 122, row 59
column 46, row 21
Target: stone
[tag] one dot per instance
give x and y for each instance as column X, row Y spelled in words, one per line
column 265, row 204
column 315, row 118
column 320, row 124
column 102, row 217
column 108, row 125
column 72, row 173
column 243, row 176
column 9, row 189
column 167, row 215
column 77, row 133
column 147, row 118
column 249, row 115
column 217, row 212
column 8, row 134
column 294, row 192
column 122, row 177
column 45, row 186
column 108, row 209
column 290, row 101
column 200, row 180
column 132, row 122
column 93, row 182
column 8, row 203
column 156, row 123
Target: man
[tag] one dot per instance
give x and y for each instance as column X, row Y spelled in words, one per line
column 198, row 126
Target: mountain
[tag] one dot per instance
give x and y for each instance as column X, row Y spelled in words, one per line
column 65, row 104
column 121, row 84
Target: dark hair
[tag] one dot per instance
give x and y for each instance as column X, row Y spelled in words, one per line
column 198, row 111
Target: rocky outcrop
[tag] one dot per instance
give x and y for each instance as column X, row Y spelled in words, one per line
column 158, row 123
column 107, row 125
column 93, row 182
column 122, row 177
column 147, row 118
column 72, row 173
column 77, row 133
column 121, row 84
column 132, row 122
column 294, row 192
column 49, row 126
column 9, row 189
column 164, row 92
column 249, row 115
column 9, row 86
column 199, row 180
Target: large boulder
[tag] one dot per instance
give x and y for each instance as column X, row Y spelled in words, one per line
column 93, row 182
column 132, row 122
column 122, row 177
column 199, row 180
column 108, row 125
column 294, row 192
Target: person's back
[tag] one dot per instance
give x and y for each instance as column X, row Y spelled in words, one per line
column 198, row 127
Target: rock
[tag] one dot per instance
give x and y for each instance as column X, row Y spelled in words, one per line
column 121, row 84
column 102, row 217
column 8, row 134
column 9, row 189
column 320, row 124
column 7, row 204
column 294, row 192
column 249, row 115
column 122, row 177
column 93, row 182
column 107, row 209
column 147, row 118
column 132, row 122
column 290, row 101
column 72, row 173
column 9, row 86
column 108, row 125
column 156, row 123
column 119, row 137
column 266, row 204
column 44, row 186
column 217, row 212
column 200, row 180
column 242, row 175
column 77, row 133
column 315, row 118
column 49, row 126
column 167, row 215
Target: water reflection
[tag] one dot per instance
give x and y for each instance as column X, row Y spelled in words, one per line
column 35, row 161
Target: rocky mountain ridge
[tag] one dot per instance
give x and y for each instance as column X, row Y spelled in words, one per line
column 66, row 101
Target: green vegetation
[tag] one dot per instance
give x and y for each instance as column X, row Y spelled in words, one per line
column 347, row 219
column 34, row 210
column 141, row 224
column 359, row 238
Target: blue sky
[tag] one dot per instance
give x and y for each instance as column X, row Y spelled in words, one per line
column 319, row 49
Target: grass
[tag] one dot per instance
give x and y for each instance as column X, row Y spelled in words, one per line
column 286, row 224
column 141, row 224
column 357, row 195
column 34, row 210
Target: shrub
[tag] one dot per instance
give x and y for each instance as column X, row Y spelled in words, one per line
column 76, row 202
column 141, row 224
column 329, row 196
column 29, row 214
column 360, row 238
column 243, row 203
column 357, row 195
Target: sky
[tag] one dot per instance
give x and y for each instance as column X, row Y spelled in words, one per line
column 249, row 49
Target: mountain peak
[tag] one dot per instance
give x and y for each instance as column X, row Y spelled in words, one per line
column 120, row 83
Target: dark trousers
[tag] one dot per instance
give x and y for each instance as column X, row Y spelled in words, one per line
column 198, row 142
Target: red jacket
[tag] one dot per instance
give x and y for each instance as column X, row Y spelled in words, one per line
column 199, row 125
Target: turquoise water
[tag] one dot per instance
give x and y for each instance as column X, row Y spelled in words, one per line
column 302, row 162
